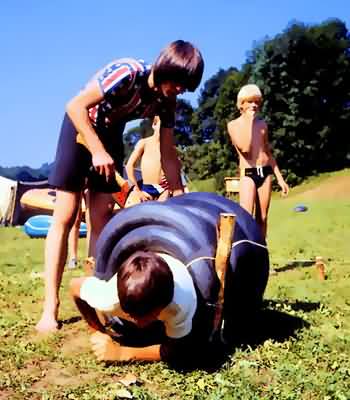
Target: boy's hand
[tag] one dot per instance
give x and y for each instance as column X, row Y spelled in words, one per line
column 106, row 349
column 284, row 187
column 104, row 164
column 251, row 113
column 143, row 196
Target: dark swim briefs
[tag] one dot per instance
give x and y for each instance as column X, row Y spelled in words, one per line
column 73, row 170
column 258, row 174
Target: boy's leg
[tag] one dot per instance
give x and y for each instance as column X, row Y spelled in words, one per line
column 66, row 207
column 73, row 240
column 100, row 206
column 264, row 198
column 247, row 193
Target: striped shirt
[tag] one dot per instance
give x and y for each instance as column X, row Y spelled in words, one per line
column 127, row 96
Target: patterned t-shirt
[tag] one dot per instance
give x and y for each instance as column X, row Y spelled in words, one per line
column 127, row 96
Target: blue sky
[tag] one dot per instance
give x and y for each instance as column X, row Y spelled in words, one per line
column 49, row 49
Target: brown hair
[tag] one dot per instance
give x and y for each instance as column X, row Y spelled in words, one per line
column 145, row 283
column 179, row 62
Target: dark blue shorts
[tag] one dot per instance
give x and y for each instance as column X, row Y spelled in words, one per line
column 73, row 170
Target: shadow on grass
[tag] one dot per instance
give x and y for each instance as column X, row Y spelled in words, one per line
column 267, row 324
column 248, row 330
column 68, row 321
column 294, row 264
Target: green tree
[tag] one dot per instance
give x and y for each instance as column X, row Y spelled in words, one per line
column 304, row 75
column 183, row 128
column 203, row 122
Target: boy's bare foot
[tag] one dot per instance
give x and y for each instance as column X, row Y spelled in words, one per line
column 48, row 321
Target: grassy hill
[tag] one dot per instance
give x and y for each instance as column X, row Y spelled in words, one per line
column 302, row 341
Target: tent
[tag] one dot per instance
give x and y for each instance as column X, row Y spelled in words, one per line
column 11, row 212
column 11, row 191
column 7, row 193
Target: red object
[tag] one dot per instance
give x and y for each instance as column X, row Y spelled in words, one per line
column 120, row 197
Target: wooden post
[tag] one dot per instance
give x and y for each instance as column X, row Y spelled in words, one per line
column 321, row 268
column 226, row 228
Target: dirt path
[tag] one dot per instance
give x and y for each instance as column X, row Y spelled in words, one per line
column 337, row 187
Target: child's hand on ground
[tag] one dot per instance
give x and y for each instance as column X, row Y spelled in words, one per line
column 105, row 348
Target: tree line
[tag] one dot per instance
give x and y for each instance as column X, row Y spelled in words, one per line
column 304, row 75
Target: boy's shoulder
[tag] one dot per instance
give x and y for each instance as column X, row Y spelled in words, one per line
column 234, row 124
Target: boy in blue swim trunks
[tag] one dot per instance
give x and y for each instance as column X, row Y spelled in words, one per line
column 249, row 136
column 154, row 185
column 90, row 147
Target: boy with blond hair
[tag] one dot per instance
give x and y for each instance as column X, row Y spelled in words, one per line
column 249, row 136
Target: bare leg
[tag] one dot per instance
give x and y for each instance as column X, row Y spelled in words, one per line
column 73, row 240
column 247, row 194
column 55, row 256
column 263, row 201
column 100, row 206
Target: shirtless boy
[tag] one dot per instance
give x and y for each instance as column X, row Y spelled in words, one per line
column 249, row 135
column 154, row 184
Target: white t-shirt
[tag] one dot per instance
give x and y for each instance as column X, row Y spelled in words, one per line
column 177, row 316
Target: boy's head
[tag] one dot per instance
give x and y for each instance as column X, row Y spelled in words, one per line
column 145, row 285
column 249, row 93
column 180, row 63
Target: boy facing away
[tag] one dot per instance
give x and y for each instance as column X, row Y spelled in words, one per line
column 249, row 136
column 90, row 147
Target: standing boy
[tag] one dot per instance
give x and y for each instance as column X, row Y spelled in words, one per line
column 91, row 146
column 154, row 184
column 249, row 135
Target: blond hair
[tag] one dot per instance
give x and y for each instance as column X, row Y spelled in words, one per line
column 248, row 92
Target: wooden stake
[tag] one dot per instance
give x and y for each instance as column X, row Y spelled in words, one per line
column 223, row 251
column 320, row 267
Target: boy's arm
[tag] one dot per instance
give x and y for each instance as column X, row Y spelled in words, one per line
column 77, row 110
column 87, row 312
column 171, row 164
column 106, row 349
column 134, row 157
column 282, row 183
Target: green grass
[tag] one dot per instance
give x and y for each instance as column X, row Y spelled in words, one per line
column 305, row 353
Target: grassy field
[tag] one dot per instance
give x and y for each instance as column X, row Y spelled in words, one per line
column 302, row 343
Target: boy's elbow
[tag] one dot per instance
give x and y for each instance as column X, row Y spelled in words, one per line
column 70, row 107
